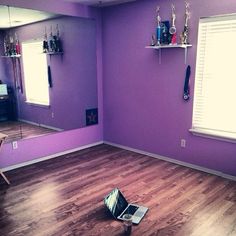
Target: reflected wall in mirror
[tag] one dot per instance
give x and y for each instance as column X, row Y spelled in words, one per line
column 73, row 94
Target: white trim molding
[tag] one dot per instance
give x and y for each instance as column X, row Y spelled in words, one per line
column 213, row 135
column 182, row 163
column 41, row 125
column 196, row 167
column 49, row 157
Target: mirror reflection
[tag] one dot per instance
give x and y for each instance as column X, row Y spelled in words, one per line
column 71, row 82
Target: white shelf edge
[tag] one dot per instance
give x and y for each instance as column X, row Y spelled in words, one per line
column 14, row 56
column 53, row 53
column 170, row 46
column 183, row 46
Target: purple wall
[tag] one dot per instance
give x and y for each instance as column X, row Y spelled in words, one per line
column 143, row 105
column 48, row 145
column 73, row 74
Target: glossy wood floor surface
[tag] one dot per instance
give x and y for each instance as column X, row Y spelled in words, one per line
column 16, row 130
column 64, row 196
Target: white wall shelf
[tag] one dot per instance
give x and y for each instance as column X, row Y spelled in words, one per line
column 53, row 53
column 13, row 56
column 181, row 46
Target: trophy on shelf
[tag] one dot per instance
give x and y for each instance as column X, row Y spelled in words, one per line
column 58, row 44
column 53, row 44
column 17, row 45
column 165, row 35
column 158, row 32
column 11, row 41
column 51, row 41
column 6, row 46
column 184, row 35
column 153, row 40
column 172, row 29
column 45, row 42
column 11, row 45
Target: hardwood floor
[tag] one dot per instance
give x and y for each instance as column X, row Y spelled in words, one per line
column 64, row 196
column 16, row 130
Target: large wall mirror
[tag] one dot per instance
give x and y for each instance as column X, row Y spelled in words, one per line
column 72, row 79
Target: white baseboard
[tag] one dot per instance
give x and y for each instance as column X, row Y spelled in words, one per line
column 41, row 125
column 192, row 166
column 196, row 167
column 51, row 127
column 49, row 157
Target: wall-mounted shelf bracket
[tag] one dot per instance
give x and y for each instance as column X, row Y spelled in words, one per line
column 183, row 46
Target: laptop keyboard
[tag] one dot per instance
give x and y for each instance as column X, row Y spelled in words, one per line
column 131, row 210
column 139, row 214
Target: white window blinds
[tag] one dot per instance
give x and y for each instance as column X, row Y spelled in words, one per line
column 214, row 110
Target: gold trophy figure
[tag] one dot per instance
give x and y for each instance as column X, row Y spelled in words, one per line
column 184, row 35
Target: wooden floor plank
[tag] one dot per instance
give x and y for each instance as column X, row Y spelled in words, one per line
column 64, row 196
column 16, row 130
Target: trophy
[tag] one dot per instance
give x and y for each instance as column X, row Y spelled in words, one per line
column 6, row 46
column 165, row 35
column 17, row 45
column 58, row 44
column 158, row 32
column 52, row 45
column 153, row 40
column 12, row 46
column 45, row 42
column 185, row 33
column 172, row 29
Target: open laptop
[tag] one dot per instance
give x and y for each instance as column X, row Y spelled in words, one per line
column 118, row 206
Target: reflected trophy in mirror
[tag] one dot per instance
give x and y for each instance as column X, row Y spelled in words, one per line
column 45, row 42
column 54, row 45
column 57, row 40
column 172, row 29
column 158, row 30
column 185, row 34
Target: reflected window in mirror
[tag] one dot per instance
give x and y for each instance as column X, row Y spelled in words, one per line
column 72, row 86
column 35, row 73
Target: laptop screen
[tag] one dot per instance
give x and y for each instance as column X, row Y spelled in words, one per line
column 3, row 90
column 116, row 202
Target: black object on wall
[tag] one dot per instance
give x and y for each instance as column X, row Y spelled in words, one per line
column 49, row 77
column 91, row 116
column 186, row 95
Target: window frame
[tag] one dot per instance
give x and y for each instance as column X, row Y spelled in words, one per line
column 201, row 131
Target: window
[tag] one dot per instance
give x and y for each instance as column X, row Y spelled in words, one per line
column 214, row 110
column 35, row 73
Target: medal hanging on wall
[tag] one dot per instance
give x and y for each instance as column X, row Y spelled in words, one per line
column 186, row 95
column 20, row 76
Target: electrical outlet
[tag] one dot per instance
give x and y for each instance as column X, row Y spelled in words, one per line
column 52, row 114
column 14, row 145
column 183, row 143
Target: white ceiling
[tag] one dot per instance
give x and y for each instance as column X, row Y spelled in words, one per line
column 100, row 3
column 13, row 16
